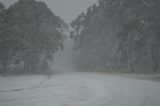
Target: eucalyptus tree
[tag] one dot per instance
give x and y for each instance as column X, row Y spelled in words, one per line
column 119, row 34
column 36, row 33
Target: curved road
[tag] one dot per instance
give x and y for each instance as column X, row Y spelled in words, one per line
column 85, row 89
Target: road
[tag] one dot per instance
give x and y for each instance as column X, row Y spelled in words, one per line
column 79, row 89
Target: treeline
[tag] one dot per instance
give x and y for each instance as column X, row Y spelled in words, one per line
column 30, row 34
column 118, row 35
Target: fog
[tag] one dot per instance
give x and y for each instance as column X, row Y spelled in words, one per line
column 79, row 53
column 63, row 58
column 67, row 10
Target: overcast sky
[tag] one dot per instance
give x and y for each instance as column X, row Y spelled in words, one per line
column 66, row 9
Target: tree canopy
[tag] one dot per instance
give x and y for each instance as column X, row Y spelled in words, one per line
column 31, row 36
column 121, row 35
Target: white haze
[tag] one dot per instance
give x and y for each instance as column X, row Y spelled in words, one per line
column 68, row 10
column 79, row 88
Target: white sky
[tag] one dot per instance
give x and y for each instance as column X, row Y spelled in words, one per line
column 66, row 9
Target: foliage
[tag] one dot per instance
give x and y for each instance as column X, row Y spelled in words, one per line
column 119, row 35
column 31, row 37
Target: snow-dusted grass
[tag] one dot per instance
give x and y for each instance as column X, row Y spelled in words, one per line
column 13, row 83
column 78, row 89
column 151, row 77
column 146, row 76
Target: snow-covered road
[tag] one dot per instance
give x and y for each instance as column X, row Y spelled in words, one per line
column 78, row 89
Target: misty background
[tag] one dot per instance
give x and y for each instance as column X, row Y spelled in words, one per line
column 79, row 52
column 67, row 10
column 90, row 35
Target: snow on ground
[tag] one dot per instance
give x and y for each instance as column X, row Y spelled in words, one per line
column 146, row 76
column 19, row 82
column 78, row 89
